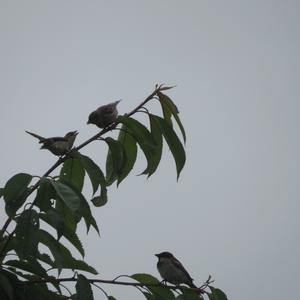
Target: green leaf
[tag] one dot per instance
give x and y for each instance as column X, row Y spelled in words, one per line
column 14, row 192
column 99, row 201
column 1, row 192
column 26, row 233
column 189, row 295
column 144, row 139
column 157, row 136
column 149, row 280
column 149, row 296
column 45, row 258
column 130, row 153
column 44, row 195
column 56, row 220
column 31, row 266
column 111, row 298
column 169, row 108
column 62, row 256
column 95, row 174
column 73, row 172
column 217, row 294
column 174, row 144
column 67, row 194
column 114, row 161
column 83, row 288
column 6, row 287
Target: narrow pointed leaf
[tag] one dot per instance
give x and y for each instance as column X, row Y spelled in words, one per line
column 174, row 144
column 73, row 172
column 143, row 137
column 130, row 153
column 168, row 105
column 67, row 194
column 14, row 192
column 95, row 174
column 54, row 219
column 157, row 136
column 83, row 288
column 26, row 233
column 31, row 266
column 114, row 161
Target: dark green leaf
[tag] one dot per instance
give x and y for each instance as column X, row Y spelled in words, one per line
column 144, row 139
column 44, row 195
column 26, row 233
column 6, row 287
column 83, row 288
column 217, row 294
column 14, row 192
column 96, row 176
column 149, row 296
column 1, row 192
column 111, row 298
column 94, row 172
column 56, row 220
column 174, row 144
column 157, row 136
column 168, row 105
column 130, row 153
column 189, row 295
column 67, row 194
column 114, row 161
column 71, row 218
column 73, row 173
column 99, row 201
column 161, row 291
column 45, row 258
column 31, row 266
column 84, row 210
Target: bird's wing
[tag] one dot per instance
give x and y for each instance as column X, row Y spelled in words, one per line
column 41, row 139
column 181, row 267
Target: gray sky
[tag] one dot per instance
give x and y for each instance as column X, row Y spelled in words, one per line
column 234, row 213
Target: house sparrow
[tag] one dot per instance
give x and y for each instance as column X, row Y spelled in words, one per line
column 104, row 115
column 172, row 270
column 57, row 145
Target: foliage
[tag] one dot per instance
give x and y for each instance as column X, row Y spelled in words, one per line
column 43, row 213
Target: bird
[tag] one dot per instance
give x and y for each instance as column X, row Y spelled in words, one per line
column 171, row 270
column 57, row 145
column 104, row 115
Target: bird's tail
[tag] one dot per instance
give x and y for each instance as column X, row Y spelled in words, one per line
column 41, row 139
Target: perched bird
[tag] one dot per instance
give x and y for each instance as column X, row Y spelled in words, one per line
column 172, row 270
column 104, row 115
column 57, row 145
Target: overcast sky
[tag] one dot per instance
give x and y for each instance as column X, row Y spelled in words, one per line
column 234, row 213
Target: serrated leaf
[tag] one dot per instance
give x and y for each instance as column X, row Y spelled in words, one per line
column 169, row 108
column 149, row 280
column 95, row 174
column 114, row 160
column 83, row 288
column 144, row 139
column 217, row 294
column 73, row 172
column 174, row 144
column 14, row 192
column 67, row 194
column 26, row 233
column 54, row 219
column 6, row 287
column 44, row 195
column 130, row 153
